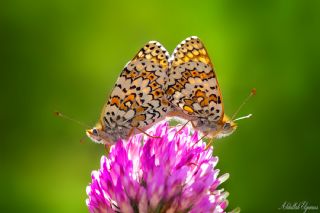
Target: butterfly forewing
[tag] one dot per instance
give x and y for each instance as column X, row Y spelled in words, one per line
column 192, row 84
column 137, row 99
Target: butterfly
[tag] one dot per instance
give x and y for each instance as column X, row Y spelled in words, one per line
column 193, row 90
column 137, row 99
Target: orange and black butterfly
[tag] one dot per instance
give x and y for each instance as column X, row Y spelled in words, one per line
column 193, row 90
column 137, row 99
column 153, row 86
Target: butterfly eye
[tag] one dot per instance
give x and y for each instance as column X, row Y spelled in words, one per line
column 226, row 126
column 95, row 131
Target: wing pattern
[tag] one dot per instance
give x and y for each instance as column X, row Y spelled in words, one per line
column 192, row 85
column 137, row 99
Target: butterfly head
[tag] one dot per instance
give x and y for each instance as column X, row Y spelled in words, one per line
column 95, row 135
column 98, row 135
column 227, row 127
column 216, row 129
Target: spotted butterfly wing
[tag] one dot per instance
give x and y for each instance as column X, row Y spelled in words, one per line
column 193, row 88
column 137, row 99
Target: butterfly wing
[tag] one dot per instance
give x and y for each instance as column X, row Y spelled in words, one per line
column 192, row 84
column 137, row 99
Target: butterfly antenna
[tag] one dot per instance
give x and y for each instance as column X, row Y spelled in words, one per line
column 252, row 93
column 243, row 117
column 59, row 114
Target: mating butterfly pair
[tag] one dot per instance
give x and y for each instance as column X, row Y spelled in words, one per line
column 154, row 85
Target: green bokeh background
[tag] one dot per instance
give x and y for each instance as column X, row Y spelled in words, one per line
column 66, row 55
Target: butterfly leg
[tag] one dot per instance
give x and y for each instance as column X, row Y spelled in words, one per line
column 141, row 130
column 181, row 128
column 193, row 126
column 200, row 138
column 131, row 132
column 210, row 142
column 107, row 148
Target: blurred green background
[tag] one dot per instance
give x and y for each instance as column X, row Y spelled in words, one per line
column 66, row 55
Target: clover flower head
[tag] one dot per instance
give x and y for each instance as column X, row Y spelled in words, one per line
column 171, row 173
